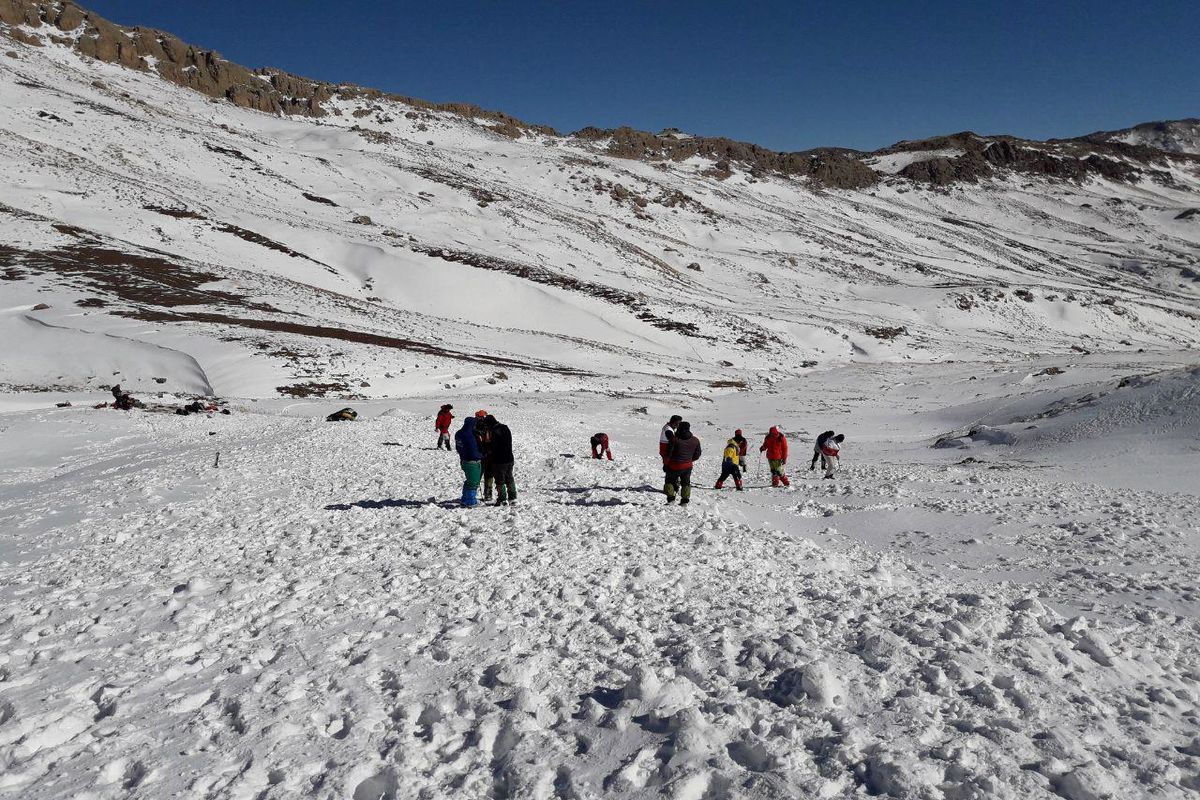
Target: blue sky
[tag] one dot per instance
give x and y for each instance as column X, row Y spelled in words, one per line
column 787, row 75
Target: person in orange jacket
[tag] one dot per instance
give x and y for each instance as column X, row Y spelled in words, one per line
column 776, row 448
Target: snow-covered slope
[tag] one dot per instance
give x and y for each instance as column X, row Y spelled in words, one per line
column 390, row 247
column 1176, row 136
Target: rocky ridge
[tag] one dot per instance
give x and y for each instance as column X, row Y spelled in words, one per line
column 1123, row 155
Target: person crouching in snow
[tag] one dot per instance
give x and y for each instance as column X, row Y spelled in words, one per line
column 831, row 451
column 501, row 455
column 667, row 434
column 776, row 448
column 682, row 451
column 442, row 426
column 817, row 448
column 600, row 446
column 470, row 456
column 731, row 462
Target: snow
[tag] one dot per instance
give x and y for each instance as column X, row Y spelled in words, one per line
column 267, row 605
column 313, row 615
column 892, row 163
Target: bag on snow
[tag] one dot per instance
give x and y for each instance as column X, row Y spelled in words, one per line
column 345, row 415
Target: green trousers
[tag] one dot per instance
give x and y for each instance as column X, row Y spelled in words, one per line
column 472, row 472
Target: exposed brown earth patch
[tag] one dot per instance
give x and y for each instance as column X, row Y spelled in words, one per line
column 346, row 335
column 140, row 279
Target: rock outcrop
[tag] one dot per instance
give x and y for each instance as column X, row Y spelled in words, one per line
column 828, row 166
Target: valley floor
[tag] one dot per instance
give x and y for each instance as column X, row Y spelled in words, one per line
column 313, row 617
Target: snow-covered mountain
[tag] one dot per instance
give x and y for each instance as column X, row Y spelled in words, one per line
column 297, row 237
column 1174, row 136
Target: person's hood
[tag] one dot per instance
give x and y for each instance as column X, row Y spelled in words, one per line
column 773, row 432
column 732, row 443
column 737, row 433
column 469, row 424
column 684, row 431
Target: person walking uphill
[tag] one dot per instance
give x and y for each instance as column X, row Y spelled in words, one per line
column 667, row 434
column 470, row 456
column 682, row 451
column 776, row 448
column 743, row 446
column 501, row 455
column 600, row 446
column 731, row 461
column 442, row 425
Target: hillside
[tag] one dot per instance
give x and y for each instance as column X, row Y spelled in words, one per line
column 332, row 240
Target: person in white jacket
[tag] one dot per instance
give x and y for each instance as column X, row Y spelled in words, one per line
column 831, row 451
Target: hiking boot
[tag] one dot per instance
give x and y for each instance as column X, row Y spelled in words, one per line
column 684, row 502
column 719, row 485
column 670, row 500
column 502, row 502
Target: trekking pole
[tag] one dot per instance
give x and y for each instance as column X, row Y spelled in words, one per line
column 217, row 460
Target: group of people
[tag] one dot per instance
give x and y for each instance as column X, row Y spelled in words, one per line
column 680, row 449
column 485, row 451
column 484, row 447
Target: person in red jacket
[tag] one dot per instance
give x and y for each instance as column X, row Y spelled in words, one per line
column 442, row 426
column 600, row 446
column 776, row 448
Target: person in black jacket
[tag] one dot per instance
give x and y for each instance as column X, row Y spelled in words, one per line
column 501, row 455
column 683, row 449
column 817, row 449
column 483, row 433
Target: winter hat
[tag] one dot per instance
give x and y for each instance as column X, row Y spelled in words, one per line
column 481, row 413
column 490, row 420
column 684, row 428
column 676, row 419
column 841, row 437
column 738, row 432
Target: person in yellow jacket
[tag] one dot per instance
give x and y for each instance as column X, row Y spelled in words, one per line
column 731, row 465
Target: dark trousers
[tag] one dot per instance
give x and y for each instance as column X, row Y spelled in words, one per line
column 729, row 470
column 506, row 487
column 679, row 480
column 489, row 479
column 443, row 439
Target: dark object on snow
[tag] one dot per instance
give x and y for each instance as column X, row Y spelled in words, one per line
column 345, row 415
column 160, row 380
column 40, row 307
column 63, row 404
column 1188, row 213
column 197, row 407
column 123, row 400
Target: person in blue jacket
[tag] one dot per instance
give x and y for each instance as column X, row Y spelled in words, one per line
column 471, row 458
